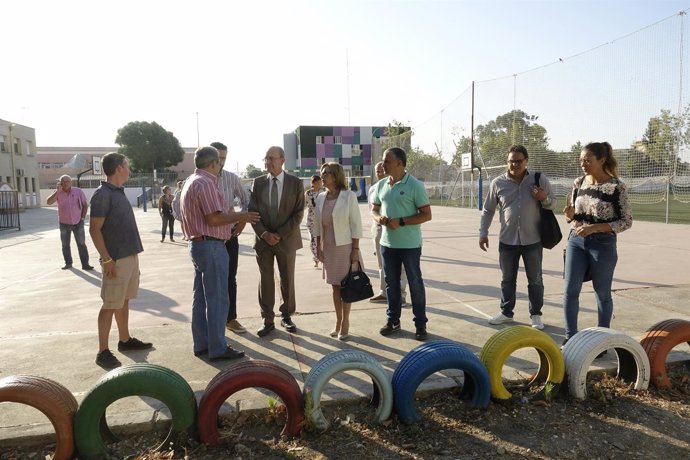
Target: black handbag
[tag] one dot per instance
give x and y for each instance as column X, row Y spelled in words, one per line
column 356, row 286
column 549, row 229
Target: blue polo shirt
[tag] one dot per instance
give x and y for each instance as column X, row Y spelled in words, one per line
column 402, row 199
column 119, row 229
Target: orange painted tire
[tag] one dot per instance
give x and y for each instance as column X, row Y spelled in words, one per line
column 658, row 341
column 249, row 374
column 49, row 397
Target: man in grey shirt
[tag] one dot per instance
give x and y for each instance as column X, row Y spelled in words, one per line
column 231, row 187
column 517, row 197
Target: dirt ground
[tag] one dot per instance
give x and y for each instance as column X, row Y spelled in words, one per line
column 614, row 422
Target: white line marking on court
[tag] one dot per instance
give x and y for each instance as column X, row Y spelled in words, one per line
column 466, row 305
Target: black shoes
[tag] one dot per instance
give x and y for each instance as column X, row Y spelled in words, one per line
column 201, row 352
column 67, row 266
column 133, row 344
column 420, row 333
column 389, row 328
column 107, row 360
column 288, row 324
column 265, row 329
column 230, row 353
column 87, row 267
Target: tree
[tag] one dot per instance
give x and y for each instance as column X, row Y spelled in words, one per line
column 421, row 164
column 252, row 172
column 665, row 135
column 148, row 146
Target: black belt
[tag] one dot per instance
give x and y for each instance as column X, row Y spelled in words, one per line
column 206, row 238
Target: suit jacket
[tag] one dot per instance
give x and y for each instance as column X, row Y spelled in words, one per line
column 290, row 212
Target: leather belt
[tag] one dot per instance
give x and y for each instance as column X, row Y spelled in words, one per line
column 206, row 238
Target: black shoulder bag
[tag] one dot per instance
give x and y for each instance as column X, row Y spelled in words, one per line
column 548, row 227
column 356, row 286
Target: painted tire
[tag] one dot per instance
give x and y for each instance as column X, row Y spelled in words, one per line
column 341, row 361
column 583, row 347
column 432, row 357
column 52, row 399
column 249, row 374
column 504, row 342
column 134, row 380
column 658, row 341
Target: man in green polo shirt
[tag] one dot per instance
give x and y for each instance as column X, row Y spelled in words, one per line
column 400, row 205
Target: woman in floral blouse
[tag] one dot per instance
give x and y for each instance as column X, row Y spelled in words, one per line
column 310, row 200
column 598, row 210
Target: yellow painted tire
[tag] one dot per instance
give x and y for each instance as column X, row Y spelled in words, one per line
column 503, row 343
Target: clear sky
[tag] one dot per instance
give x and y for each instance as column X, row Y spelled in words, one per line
column 77, row 71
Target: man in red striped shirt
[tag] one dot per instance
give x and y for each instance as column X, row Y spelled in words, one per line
column 207, row 225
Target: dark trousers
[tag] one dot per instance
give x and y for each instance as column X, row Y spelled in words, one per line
column 266, row 258
column 168, row 221
column 66, row 231
column 233, row 248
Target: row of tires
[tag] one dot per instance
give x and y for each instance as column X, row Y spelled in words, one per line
column 83, row 427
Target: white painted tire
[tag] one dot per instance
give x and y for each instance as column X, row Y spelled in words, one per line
column 342, row 361
column 583, row 348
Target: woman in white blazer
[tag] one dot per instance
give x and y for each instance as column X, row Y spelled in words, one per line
column 338, row 228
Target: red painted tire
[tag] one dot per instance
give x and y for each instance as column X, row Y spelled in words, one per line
column 658, row 341
column 51, row 398
column 249, row 374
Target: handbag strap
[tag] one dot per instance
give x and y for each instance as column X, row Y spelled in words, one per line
column 537, row 176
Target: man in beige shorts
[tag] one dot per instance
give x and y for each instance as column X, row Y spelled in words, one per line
column 115, row 235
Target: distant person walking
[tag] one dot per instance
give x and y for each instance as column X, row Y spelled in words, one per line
column 207, row 223
column 231, row 187
column 115, row 235
column 310, row 201
column 72, row 209
column 517, row 198
column 279, row 198
column 599, row 212
column 166, row 211
column 401, row 206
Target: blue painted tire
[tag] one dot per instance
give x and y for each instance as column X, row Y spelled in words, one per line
column 432, row 357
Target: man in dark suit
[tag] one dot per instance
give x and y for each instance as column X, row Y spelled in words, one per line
column 279, row 197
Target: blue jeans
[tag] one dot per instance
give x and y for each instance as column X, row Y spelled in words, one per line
column 509, row 260
column 79, row 237
column 598, row 252
column 210, row 297
column 393, row 261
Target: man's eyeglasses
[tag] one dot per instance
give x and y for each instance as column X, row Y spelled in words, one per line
column 516, row 162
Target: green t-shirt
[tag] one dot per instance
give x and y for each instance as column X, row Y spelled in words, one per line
column 402, row 199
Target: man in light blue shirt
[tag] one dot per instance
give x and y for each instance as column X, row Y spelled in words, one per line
column 400, row 205
column 517, row 197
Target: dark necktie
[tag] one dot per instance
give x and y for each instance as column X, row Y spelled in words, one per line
column 274, row 201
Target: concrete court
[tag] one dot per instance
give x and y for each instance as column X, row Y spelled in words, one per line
column 48, row 325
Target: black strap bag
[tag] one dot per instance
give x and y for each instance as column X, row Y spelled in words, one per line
column 548, row 226
column 356, row 286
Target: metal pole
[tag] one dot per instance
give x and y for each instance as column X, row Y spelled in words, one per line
column 198, row 144
column 15, row 185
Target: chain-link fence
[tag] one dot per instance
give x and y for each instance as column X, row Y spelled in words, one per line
column 631, row 92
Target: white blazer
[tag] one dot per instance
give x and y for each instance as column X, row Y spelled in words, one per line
column 347, row 221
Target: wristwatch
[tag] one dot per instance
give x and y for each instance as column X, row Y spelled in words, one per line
column 401, row 221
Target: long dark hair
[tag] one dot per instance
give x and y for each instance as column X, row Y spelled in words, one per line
column 603, row 150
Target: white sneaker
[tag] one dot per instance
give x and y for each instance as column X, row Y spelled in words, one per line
column 500, row 319
column 536, row 322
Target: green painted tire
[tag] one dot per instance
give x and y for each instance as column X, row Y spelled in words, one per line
column 134, row 380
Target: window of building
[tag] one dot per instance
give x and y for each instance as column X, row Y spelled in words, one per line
column 44, row 165
column 15, row 143
column 28, row 149
column 319, row 139
column 58, row 165
column 357, row 170
column 3, row 143
column 33, row 184
column 338, row 140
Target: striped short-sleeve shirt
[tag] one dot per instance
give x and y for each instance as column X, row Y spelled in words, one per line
column 200, row 197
